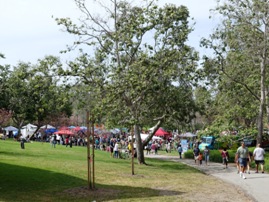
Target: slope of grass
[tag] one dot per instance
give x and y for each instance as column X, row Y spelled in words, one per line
column 42, row 173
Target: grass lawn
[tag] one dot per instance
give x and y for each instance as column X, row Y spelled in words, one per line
column 42, row 173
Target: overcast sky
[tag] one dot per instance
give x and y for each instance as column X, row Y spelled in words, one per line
column 29, row 32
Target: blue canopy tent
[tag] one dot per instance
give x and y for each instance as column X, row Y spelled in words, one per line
column 50, row 130
column 11, row 128
column 11, row 131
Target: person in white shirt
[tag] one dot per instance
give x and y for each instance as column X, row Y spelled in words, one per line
column 116, row 150
column 258, row 155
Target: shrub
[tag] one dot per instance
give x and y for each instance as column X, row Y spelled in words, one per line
column 215, row 155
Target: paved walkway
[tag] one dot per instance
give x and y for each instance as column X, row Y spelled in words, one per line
column 256, row 185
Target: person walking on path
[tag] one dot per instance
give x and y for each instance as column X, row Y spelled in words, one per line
column 206, row 154
column 196, row 152
column 179, row 149
column 255, row 188
column 242, row 154
column 258, row 155
column 225, row 157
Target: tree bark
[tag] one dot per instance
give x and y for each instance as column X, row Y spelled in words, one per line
column 262, row 102
column 139, row 146
column 263, row 87
column 267, row 107
column 155, row 128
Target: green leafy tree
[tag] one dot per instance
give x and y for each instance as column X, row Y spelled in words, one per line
column 48, row 96
column 34, row 94
column 241, row 49
column 5, row 114
column 144, row 52
column 205, row 107
column 4, row 76
column 19, row 95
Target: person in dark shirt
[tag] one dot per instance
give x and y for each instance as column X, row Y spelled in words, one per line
column 179, row 149
column 196, row 152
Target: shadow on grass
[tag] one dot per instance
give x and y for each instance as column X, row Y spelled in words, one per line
column 111, row 193
column 18, row 183
column 19, row 153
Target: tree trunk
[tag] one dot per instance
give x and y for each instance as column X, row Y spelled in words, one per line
column 267, row 107
column 262, row 101
column 139, row 145
column 155, row 128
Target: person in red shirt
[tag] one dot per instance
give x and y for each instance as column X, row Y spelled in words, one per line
column 225, row 157
column 66, row 141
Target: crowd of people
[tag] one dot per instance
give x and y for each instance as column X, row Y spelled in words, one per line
column 116, row 144
column 243, row 158
column 119, row 145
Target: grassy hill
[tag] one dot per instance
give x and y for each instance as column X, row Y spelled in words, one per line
column 42, row 173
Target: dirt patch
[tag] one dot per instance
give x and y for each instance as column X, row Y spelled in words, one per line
column 84, row 192
column 132, row 176
column 223, row 192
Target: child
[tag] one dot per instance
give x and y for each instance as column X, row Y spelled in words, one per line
column 225, row 157
column 200, row 158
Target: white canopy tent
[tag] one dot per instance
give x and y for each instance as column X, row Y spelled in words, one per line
column 28, row 130
column 10, row 128
column 47, row 126
column 188, row 134
column 144, row 136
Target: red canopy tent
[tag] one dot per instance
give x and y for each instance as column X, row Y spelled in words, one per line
column 64, row 132
column 161, row 132
column 77, row 129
